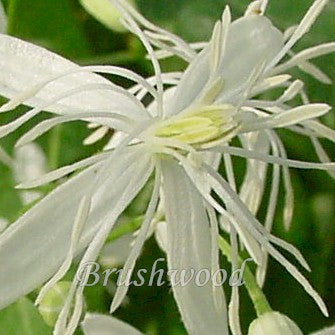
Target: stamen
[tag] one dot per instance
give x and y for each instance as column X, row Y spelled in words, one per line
column 288, row 118
column 219, row 42
column 305, row 55
column 180, row 43
column 149, row 48
column 270, row 83
column 234, row 305
column 305, row 25
column 249, row 154
column 293, row 90
column 271, row 210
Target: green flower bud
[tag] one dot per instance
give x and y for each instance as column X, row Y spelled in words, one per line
column 274, row 323
column 106, row 13
column 53, row 302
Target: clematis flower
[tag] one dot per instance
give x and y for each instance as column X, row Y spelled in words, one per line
column 175, row 140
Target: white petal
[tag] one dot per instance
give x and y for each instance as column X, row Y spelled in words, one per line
column 189, row 247
column 95, row 324
column 24, row 65
column 250, row 40
column 33, row 247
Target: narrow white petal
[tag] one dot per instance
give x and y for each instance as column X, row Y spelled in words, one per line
column 189, row 247
column 26, row 65
column 240, row 211
column 139, row 241
column 63, row 171
column 305, row 55
column 235, row 151
column 95, row 324
column 37, row 243
column 289, row 117
column 129, row 179
column 78, row 225
column 116, row 120
column 303, row 28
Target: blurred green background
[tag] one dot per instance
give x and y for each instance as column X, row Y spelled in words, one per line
column 63, row 26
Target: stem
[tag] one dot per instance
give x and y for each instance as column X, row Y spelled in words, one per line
column 126, row 228
column 256, row 294
column 54, row 147
column 11, row 14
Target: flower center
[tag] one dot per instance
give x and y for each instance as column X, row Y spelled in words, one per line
column 202, row 126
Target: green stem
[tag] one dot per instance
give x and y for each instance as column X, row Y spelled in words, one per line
column 256, row 294
column 125, row 228
column 11, row 15
column 54, row 147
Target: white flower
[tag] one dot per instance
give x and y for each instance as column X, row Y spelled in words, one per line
column 175, row 139
column 274, row 323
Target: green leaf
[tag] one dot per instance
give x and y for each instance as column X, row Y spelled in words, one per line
column 49, row 23
column 22, row 318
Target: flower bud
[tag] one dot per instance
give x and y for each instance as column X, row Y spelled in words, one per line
column 106, row 13
column 274, row 323
column 53, row 302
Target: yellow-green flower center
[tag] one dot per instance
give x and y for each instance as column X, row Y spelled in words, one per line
column 201, row 126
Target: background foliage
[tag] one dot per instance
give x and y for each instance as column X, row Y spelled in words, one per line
column 64, row 27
